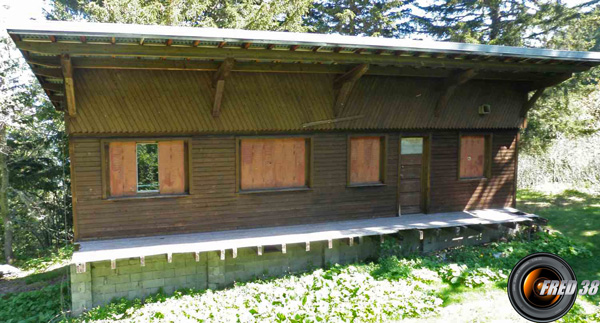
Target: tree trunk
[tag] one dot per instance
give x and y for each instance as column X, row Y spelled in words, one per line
column 4, row 211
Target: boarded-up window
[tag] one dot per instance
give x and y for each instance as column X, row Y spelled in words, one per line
column 365, row 160
column 171, row 167
column 273, row 163
column 472, row 156
column 146, row 168
column 122, row 168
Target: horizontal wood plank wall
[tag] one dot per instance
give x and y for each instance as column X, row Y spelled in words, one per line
column 214, row 204
column 448, row 193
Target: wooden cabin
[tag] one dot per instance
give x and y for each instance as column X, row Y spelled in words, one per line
column 195, row 152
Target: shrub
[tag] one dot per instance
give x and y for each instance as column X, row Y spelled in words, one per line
column 35, row 306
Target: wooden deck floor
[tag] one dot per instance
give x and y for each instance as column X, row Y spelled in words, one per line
column 91, row 251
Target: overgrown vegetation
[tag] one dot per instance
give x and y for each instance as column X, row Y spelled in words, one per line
column 42, row 305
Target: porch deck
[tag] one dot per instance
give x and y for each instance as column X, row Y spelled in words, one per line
column 101, row 250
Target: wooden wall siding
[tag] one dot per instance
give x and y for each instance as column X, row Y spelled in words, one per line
column 214, row 205
column 273, row 163
column 171, row 167
column 365, row 160
column 169, row 102
column 448, row 193
column 472, row 156
column 123, row 168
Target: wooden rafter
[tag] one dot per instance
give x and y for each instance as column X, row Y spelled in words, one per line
column 343, row 86
column 450, row 85
column 218, row 84
column 67, row 69
column 531, row 102
column 52, row 87
column 47, row 72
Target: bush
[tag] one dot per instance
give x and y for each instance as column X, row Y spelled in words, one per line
column 35, row 306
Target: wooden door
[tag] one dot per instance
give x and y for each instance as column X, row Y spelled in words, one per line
column 412, row 188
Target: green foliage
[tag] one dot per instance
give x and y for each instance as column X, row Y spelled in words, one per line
column 52, row 257
column 475, row 266
column 36, row 306
column 385, row 18
column 279, row 15
column 339, row 294
column 147, row 166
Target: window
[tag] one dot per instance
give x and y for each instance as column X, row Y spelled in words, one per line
column 474, row 156
column 145, row 168
column 366, row 161
column 273, row 164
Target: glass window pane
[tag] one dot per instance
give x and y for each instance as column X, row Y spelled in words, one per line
column 411, row 146
column 147, row 167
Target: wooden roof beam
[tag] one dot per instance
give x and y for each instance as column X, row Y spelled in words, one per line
column 528, row 105
column 52, row 87
column 343, row 86
column 450, row 85
column 47, row 72
column 218, row 84
column 67, row 69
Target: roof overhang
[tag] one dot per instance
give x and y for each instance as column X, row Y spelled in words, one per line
column 117, row 46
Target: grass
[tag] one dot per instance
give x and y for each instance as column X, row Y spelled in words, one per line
column 577, row 216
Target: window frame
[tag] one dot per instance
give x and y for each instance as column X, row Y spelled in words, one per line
column 383, row 151
column 105, row 167
column 487, row 155
column 308, row 156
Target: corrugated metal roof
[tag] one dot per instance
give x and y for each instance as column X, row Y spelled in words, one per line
column 102, row 32
column 142, row 102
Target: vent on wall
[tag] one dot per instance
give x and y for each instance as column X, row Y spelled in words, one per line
column 485, row 109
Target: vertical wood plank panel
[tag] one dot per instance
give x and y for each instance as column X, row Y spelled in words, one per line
column 365, row 160
column 123, row 173
column 171, row 167
column 472, row 156
column 273, row 163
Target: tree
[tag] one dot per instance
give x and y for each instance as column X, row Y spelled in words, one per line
column 281, row 15
column 497, row 22
column 386, row 18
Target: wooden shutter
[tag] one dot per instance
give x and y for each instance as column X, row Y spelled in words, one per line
column 365, row 160
column 472, row 156
column 122, row 168
column 171, row 167
column 273, row 163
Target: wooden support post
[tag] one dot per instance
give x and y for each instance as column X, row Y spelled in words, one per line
column 283, row 248
column 169, row 257
column 67, row 70
column 330, row 244
column 450, row 85
column 351, row 241
column 307, row 245
column 142, row 261
column 197, row 256
column 80, row 268
column 259, row 249
column 234, row 252
column 361, row 240
column 113, row 264
column 343, row 85
column 218, row 84
column 222, row 254
column 421, row 235
column 528, row 105
column 381, row 238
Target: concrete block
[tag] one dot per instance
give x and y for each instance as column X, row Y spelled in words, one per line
column 153, row 283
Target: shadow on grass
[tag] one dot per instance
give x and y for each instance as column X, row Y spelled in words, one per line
column 577, row 216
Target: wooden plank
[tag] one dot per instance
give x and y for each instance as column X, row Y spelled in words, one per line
column 472, row 156
column 48, row 72
column 67, row 70
column 219, row 84
column 273, row 163
column 450, row 85
column 171, row 167
column 122, row 168
column 343, row 86
column 365, row 160
column 53, row 87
